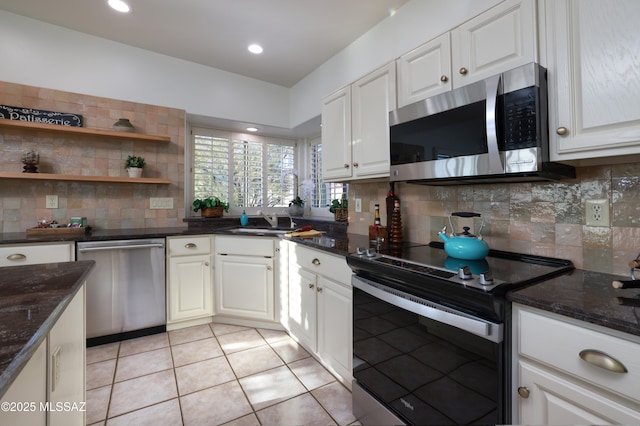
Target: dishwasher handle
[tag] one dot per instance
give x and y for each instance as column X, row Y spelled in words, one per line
column 122, row 247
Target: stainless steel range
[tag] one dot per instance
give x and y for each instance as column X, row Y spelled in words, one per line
column 432, row 334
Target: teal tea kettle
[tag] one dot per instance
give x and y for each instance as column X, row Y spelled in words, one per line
column 464, row 245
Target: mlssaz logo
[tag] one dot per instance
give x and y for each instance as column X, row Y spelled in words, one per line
column 406, row 404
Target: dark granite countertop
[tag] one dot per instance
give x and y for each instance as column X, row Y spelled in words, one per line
column 586, row 296
column 32, row 298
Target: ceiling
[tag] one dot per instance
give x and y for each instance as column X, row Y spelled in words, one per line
column 297, row 35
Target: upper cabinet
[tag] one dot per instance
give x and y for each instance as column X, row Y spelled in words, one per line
column 500, row 39
column 594, row 78
column 355, row 127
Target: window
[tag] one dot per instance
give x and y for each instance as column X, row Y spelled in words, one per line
column 322, row 193
column 249, row 171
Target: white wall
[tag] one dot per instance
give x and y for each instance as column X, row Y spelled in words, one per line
column 416, row 22
column 44, row 55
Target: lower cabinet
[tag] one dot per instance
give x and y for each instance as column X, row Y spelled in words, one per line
column 244, row 277
column 570, row 372
column 189, row 279
column 320, row 308
column 32, row 253
column 50, row 389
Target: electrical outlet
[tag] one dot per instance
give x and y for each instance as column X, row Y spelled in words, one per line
column 358, row 205
column 51, row 202
column 597, row 212
column 160, row 203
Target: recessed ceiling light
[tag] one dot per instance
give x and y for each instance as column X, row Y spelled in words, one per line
column 255, row 48
column 252, row 129
column 119, row 5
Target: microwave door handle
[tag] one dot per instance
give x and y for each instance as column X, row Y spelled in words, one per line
column 495, row 162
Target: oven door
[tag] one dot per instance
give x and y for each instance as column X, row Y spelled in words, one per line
column 424, row 363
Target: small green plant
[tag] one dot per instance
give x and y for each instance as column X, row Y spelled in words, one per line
column 209, row 202
column 297, row 201
column 338, row 204
column 134, row 161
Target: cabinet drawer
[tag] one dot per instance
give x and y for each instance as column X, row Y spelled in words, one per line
column 245, row 246
column 559, row 344
column 322, row 263
column 182, row 246
column 15, row 255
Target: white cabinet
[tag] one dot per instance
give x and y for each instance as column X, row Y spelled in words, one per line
column 425, row 71
column 502, row 38
column 54, row 377
column 189, row 288
column 320, row 308
column 594, row 78
column 29, row 254
column 244, row 277
column 355, row 127
column 566, row 371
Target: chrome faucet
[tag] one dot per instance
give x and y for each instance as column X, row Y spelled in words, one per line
column 273, row 220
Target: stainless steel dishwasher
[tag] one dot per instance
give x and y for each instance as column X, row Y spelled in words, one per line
column 125, row 290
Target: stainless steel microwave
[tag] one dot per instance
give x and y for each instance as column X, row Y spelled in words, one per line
column 494, row 130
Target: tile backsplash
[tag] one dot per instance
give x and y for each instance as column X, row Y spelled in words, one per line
column 106, row 205
column 537, row 218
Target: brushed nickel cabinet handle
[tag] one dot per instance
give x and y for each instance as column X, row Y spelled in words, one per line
column 316, row 261
column 562, row 131
column 190, row 245
column 444, row 79
column 16, row 256
column 524, row 392
column 602, row 360
column 463, row 71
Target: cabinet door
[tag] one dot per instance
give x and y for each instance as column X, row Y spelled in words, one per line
column 373, row 97
column 335, row 343
column 244, row 287
column 502, row 38
column 66, row 363
column 336, row 135
column 554, row 400
column 425, row 71
column 29, row 387
column 302, row 307
column 190, row 294
column 593, row 78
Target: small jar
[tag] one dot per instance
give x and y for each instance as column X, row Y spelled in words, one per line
column 123, row 125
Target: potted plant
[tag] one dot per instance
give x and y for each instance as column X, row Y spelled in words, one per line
column 210, row 207
column 296, row 207
column 134, row 165
column 340, row 210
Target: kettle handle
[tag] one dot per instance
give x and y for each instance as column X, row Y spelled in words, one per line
column 468, row 214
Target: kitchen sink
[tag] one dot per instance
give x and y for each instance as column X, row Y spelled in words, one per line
column 259, row 231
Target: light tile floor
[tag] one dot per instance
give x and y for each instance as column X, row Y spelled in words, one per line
column 212, row 374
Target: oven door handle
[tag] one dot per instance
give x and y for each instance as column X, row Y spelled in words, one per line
column 485, row 329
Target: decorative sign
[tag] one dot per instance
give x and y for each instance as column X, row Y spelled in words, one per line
column 40, row 116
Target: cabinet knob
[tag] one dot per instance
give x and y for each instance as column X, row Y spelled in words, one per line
column 355, row 164
column 316, row 261
column 206, row 263
column 603, row 360
column 463, row 71
column 269, row 268
column 311, row 285
column 190, row 245
column 523, row 392
column 319, row 289
column 346, row 166
column 16, row 256
column 444, row 79
column 562, row 131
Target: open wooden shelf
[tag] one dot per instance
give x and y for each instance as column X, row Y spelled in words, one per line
column 80, row 178
column 25, row 125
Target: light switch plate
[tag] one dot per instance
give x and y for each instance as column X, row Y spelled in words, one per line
column 51, row 202
column 358, row 205
column 156, row 203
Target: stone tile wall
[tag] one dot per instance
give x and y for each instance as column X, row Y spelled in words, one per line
column 106, row 205
column 544, row 219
